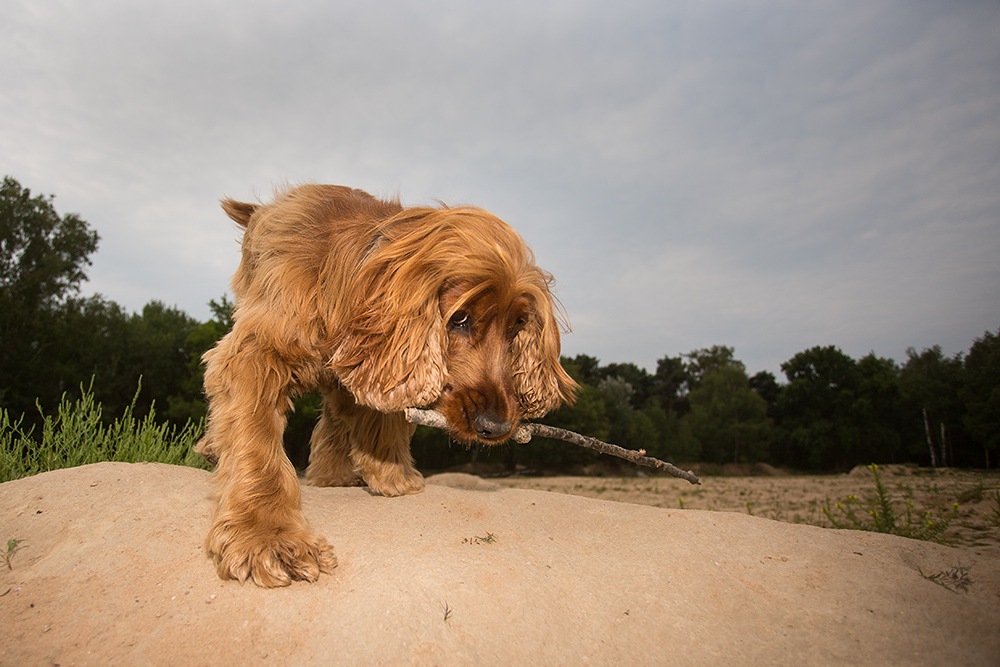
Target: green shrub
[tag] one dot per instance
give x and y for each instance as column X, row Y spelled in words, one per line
column 994, row 517
column 879, row 516
column 76, row 435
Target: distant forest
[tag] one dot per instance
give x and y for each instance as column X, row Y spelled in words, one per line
column 829, row 413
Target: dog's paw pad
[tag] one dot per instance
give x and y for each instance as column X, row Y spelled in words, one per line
column 278, row 561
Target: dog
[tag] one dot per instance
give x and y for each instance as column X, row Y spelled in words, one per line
column 379, row 308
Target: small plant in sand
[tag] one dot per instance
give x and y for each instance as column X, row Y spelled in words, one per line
column 12, row 545
column 994, row 516
column 956, row 579
column 974, row 494
column 879, row 516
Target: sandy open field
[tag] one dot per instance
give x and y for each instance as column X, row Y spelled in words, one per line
column 773, row 494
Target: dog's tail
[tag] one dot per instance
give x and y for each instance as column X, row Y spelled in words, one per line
column 238, row 211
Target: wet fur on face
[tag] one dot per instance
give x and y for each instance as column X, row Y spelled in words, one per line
column 379, row 308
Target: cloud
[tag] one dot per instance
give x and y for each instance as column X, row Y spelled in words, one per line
column 769, row 176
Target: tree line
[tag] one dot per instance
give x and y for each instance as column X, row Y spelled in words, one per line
column 829, row 412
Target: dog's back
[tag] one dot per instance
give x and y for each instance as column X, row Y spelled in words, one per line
column 333, row 202
column 288, row 243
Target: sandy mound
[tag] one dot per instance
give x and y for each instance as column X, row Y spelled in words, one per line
column 112, row 570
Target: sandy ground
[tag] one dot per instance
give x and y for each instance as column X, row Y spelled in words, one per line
column 112, row 570
column 771, row 493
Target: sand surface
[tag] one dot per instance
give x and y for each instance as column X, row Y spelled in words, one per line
column 112, row 570
column 771, row 493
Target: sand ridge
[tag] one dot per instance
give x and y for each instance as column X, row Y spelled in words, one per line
column 112, row 570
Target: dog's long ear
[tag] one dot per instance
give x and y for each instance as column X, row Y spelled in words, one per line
column 540, row 381
column 389, row 352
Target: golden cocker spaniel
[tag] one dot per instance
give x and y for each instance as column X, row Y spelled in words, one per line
column 380, row 308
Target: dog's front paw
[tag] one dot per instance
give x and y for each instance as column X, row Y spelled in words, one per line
column 270, row 559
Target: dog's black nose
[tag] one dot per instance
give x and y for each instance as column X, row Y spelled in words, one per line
column 491, row 427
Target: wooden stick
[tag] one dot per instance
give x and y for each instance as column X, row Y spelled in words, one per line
column 524, row 433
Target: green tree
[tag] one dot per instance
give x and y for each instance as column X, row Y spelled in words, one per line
column 877, row 409
column 674, row 441
column 156, row 346
column 122, row 351
column 700, row 362
column 587, row 415
column 616, row 393
column 43, row 260
column 766, row 386
column 816, row 406
column 981, row 395
column 94, row 332
column 728, row 419
column 640, row 381
column 188, row 402
column 583, row 368
column 669, row 383
column 930, row 384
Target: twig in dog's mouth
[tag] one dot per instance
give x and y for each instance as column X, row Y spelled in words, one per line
column 524, row 433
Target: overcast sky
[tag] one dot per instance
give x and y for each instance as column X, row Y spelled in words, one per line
column 765, row 175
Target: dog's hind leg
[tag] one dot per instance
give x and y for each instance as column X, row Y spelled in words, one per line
column 330, row 447
column 381, row 453
column 353, row 443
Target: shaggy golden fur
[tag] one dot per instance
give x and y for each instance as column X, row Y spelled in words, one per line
column 380, row 308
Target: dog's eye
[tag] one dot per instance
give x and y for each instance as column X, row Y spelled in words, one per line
column 460, row 321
